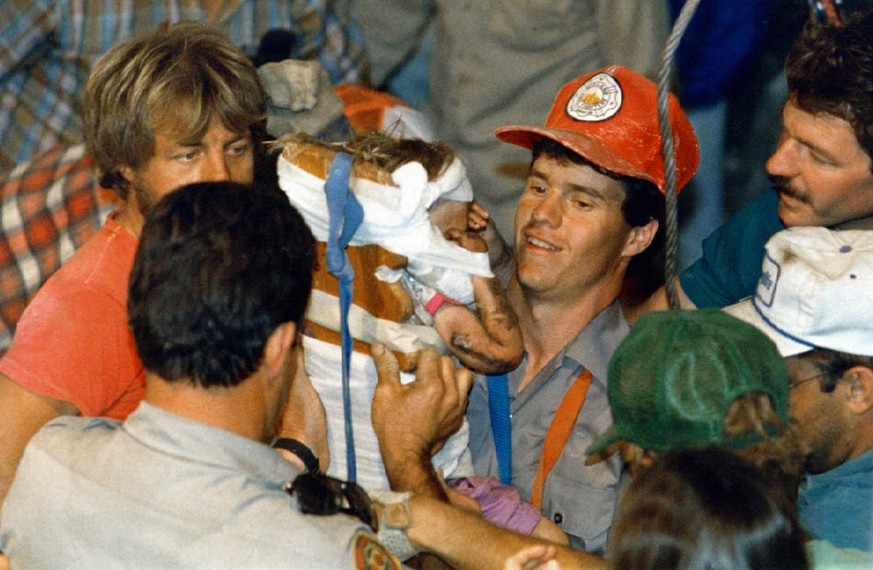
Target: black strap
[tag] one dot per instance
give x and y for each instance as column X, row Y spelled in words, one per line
column 300, row 450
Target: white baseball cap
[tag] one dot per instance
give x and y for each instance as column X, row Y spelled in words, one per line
column 815, row 290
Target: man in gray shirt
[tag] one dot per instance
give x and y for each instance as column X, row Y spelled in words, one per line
column 218, row 288
column 590, row 211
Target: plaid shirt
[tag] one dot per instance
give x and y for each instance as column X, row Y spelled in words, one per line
column 48, row 208
column 47, row 48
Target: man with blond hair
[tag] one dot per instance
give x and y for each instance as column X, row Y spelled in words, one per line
column 179, row 106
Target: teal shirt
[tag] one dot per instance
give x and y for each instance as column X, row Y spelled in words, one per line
column 837, row 505
column 730, row 266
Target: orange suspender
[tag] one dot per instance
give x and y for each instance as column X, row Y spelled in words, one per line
column 559, row 432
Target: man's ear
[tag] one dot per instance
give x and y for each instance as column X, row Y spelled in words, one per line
column 279, row 343
column 127, row 172
column 860, row 394
column 639, row 238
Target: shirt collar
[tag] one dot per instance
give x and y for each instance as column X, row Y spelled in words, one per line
column 861, row 465
column 592, row 348
column 594, row 345
column 195, row 441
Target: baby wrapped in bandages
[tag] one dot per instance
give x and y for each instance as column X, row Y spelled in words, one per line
column 420, row 281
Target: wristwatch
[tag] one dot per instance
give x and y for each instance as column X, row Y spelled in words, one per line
column 394, row 521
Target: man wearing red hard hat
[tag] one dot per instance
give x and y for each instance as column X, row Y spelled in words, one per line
column 593, row 202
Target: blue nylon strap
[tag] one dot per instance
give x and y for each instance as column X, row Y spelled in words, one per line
column 501, row 424
column 345, row 215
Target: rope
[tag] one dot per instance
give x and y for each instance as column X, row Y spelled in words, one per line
column 670, row 192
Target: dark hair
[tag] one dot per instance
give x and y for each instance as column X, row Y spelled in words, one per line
column 704, row 509
column 777, row 449
column 219, row 266
column 643, row 202
column 834, row 364
column 830, row 70
column 179, row 78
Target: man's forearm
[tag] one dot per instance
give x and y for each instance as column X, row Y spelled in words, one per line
column 448, row 531
column 417, row 476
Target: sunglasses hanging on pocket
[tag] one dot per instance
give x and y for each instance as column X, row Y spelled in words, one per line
column 322, row 495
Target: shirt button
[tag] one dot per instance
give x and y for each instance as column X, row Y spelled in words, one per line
column 559, row 518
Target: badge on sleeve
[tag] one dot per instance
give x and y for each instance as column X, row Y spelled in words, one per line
column 371, row 555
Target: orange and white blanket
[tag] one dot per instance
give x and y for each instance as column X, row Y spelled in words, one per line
column 395, row 238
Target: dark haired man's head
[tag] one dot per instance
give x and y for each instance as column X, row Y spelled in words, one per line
column 813, row 302
column 830, row 70
column 822, row 168
column 704, row 509
column 220, row 265
column 604, row 157
column 832, row 402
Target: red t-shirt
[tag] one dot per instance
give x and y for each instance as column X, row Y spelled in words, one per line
column 72, row 342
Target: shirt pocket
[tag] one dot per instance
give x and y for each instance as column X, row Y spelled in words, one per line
column 583, row 511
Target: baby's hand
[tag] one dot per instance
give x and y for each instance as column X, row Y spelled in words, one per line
column 477, row 217
column 480, row 222
column 468, row 240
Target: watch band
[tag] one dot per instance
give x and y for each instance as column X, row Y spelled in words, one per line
column 300, row 450
column 395, row 519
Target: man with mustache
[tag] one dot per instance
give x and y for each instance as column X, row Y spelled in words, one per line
column 821, row 171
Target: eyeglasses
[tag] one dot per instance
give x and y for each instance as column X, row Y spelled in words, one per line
column 792, row 385
column 319, row 494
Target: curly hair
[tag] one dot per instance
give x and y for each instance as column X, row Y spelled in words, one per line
column 383, row 151
column 776, row 448
column 781, row 451
column 830, row 70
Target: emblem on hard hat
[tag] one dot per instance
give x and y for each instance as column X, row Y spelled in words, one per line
column 597, row 99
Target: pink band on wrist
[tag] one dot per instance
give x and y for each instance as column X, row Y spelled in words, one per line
column 436, row 302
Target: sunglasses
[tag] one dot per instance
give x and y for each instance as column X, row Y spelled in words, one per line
column 322, row 495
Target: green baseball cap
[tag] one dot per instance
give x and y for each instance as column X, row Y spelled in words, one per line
column 673, row 378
